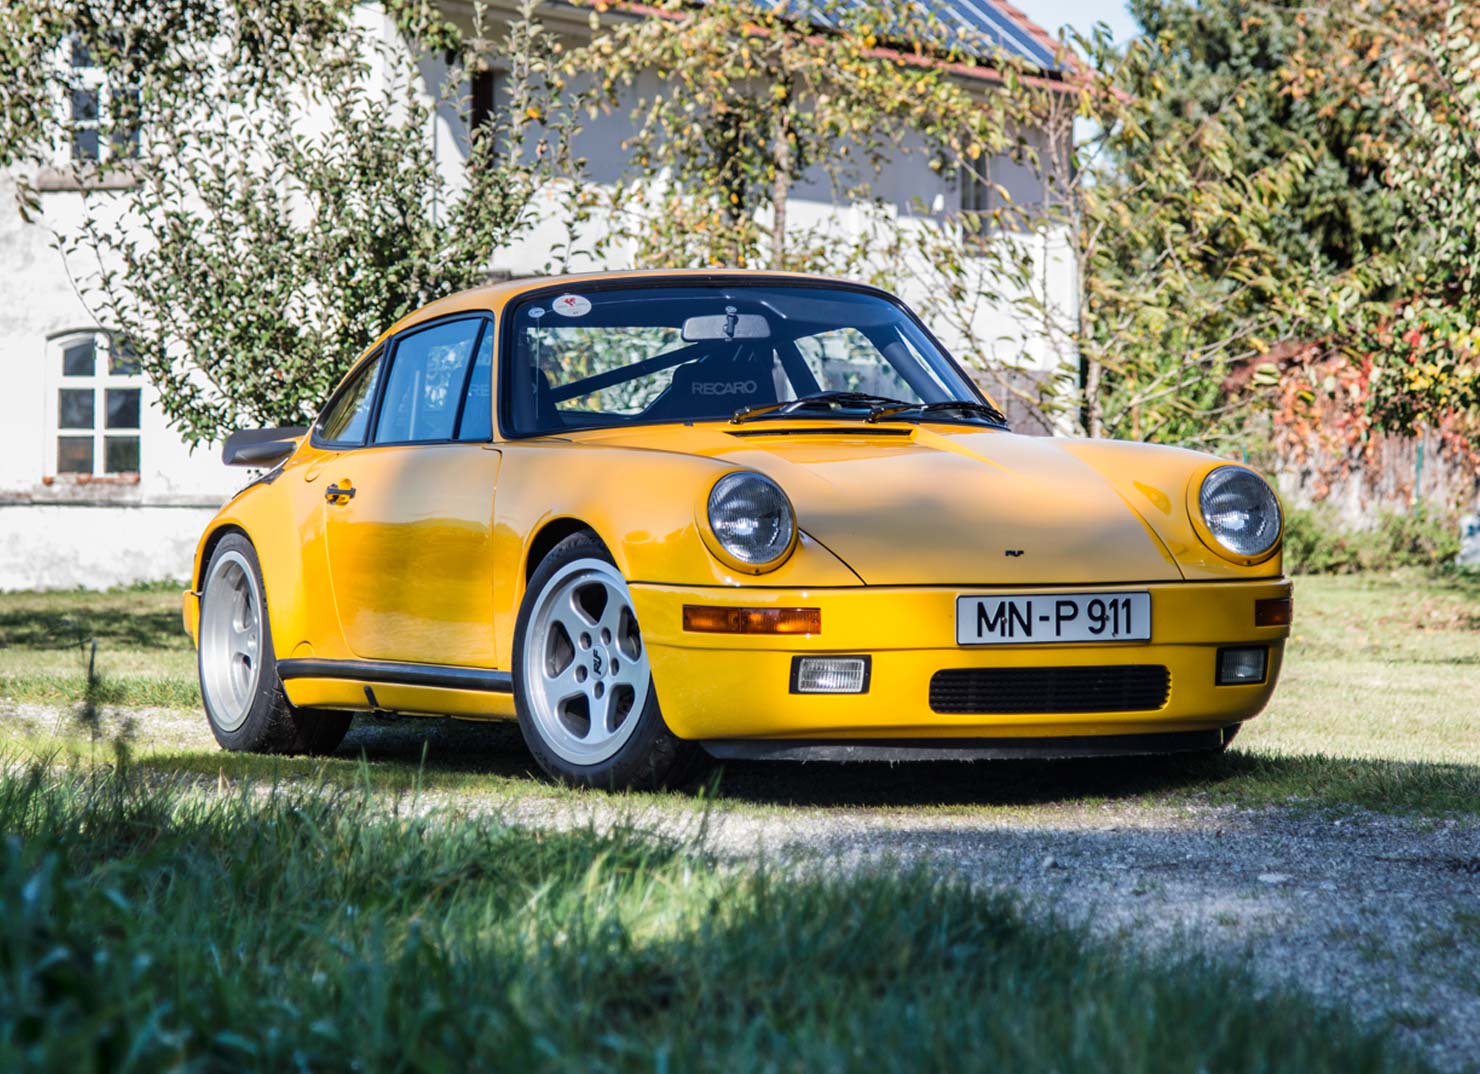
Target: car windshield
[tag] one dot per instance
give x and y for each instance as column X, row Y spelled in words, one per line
column 604, row 356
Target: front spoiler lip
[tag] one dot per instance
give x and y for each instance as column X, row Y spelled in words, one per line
column 190, row 613
column 897, row 750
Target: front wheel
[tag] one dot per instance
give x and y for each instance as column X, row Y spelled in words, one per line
column 244, row 698
column 583, row 686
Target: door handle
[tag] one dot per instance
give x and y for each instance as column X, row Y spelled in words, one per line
column 336, row 494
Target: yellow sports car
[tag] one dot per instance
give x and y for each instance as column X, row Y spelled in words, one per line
column 750, row 515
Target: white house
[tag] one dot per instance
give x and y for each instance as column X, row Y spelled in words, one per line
column 95, row 488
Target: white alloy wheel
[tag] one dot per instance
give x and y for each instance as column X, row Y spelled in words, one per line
column 230, row 640
column 586, row 671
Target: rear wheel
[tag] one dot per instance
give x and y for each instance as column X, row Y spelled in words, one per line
column 244, row 699
column 588, row 708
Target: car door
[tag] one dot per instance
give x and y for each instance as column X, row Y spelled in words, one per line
column 408, row 513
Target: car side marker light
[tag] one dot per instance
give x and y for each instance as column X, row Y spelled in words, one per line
column 711, row 619
column 1273, row 611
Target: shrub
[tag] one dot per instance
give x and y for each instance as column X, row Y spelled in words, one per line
column 1316, row 543
column 1313, row 545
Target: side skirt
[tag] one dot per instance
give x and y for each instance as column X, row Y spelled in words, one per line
column 391, row 673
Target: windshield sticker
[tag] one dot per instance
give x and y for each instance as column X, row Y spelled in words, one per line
column 572, row 305
column 537, row 312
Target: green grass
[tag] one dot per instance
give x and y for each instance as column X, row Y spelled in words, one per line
column 1376, row 709
column 150, row 927
column 142, row 658
column 1380, row 666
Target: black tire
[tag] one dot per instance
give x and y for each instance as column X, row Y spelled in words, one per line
column 271, row 724
column 1228, row 735
column 651, row 756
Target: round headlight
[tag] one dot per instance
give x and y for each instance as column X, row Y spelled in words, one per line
column 1240, row 510
column 751, row 518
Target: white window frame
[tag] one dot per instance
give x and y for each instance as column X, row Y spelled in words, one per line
column 91, row 78
column 99, row 383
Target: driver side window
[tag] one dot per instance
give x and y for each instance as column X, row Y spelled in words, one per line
column 427, row 379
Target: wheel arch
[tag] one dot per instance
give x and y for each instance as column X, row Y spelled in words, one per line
column 285, row 541
column 641, row 504
column 208, row 543
column 549, row 535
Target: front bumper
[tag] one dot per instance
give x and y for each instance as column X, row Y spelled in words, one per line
column 190, row 613
column 732, row 686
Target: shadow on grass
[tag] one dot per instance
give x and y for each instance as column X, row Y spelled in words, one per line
column 450, row 756
column 429, row 754
column 65, row 627
column 1235, row 778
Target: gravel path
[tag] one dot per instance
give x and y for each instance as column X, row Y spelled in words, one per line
column 1377, row 914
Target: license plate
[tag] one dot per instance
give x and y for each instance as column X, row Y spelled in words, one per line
column 1039, row 618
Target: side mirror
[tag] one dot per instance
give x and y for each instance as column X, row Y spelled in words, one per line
column 261, row 447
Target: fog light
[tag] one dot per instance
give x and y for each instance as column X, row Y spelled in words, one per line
column 1241, row 667
column 830, row 674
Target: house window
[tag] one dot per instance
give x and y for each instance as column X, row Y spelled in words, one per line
column 1002, row 193
column 102, row 113
column 97, row 405
column 482, row 101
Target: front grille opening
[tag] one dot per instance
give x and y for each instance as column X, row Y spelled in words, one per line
column 991, row 691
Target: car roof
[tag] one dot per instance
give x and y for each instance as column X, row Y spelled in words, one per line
column 495, row 296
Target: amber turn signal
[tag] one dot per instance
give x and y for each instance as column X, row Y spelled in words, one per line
column 1274, row 611
column 708, row 619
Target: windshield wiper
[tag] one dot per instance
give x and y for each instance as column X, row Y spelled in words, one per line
column 959, row 406
column 827, row 400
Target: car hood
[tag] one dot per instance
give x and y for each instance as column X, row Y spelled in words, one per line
column 948, row 505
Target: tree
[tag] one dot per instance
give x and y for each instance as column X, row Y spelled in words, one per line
column 1177, row 210
column 750, row 99
column 286, row 211
column 1425, row 345
column 1267, row 76
column 1390, row 329
column 162, row 49
column 1358, row 253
